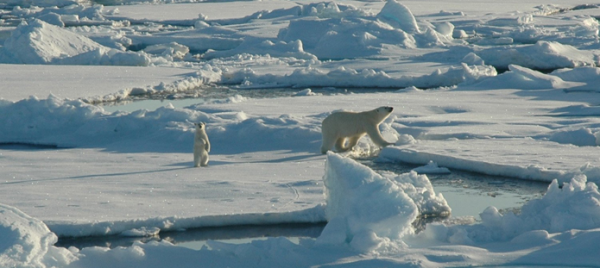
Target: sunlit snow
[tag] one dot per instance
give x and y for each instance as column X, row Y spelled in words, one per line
column 502, row 89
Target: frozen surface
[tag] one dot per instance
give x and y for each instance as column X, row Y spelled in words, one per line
column 496, row 88
column 540, row 163
column 91, row 82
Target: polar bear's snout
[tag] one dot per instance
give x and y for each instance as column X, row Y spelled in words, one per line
column 385, row 110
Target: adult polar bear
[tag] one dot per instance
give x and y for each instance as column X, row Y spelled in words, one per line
column 339, row 127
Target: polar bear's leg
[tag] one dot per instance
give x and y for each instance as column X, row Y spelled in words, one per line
column 376, row 137
column 327, row 143
column 196, row 158
column 204, row 161
column 352, row 141
column 339, row 145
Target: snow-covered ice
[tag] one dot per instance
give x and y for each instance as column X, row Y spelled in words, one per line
column 431, row 168
column 505, row 89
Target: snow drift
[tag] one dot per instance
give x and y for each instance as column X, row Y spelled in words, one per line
column 367, row 210
column 37, row 42
column 575, row 205
column 27, row 242
column 74, row 123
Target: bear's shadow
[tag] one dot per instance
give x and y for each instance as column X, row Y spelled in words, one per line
column 296, row 158
column 190, row 164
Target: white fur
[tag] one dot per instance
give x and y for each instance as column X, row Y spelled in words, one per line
column 341, row 127
column 201, row 146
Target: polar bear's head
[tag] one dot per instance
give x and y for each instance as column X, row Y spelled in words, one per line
column 200, row 126
column 385, row 110
column 382, row 113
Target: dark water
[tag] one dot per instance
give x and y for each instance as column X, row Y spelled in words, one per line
column 23, row 146
column 468, row 194
column 221, row 94
column 196, row 238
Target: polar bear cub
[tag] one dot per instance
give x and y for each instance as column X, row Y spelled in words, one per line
column 201, row 145
column 341, row 127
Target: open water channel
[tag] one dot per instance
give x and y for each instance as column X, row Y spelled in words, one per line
column 468, row 194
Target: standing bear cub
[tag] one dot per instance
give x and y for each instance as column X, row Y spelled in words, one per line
column 201, row 145
column 341, row 127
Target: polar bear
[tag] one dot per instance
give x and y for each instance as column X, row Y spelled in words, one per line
column 340, row 127
column 201, row 145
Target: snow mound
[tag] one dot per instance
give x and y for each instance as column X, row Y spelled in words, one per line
column 37, row 42
column 306, row 92
column 366, row 78
column 171, row 51
column 141, row 232
column 521, row 20
column 523, row 78
column 73, row 123
column 364, row 35
column 577, row 110
column 367, row 210
column 582, row 74
column 63, row 15
column 399, row 16
column 431, row 168
column 543, row 55
column 535, row 159
column 264, row 47
column 344, row 38
column 588, row 76
column 27, row 242
column 202, row 77
column 574, row 206
column 323, row 10
column 579, row 137
column 45, row 3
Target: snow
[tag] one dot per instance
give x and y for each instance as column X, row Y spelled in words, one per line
column 431, row 168
column 504, row 89
column 400, row 16
column 559, row 210
column 367, row 210
column 37, row 42
column 524, row 161
column 27, row 242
